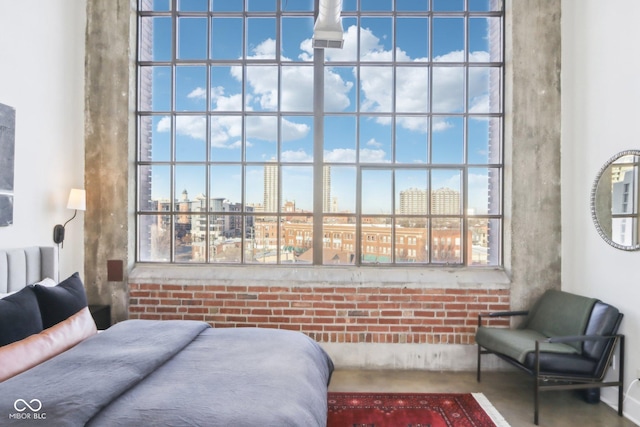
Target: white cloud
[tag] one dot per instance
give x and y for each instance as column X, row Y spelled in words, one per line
column 373, row 156
column 373, row 143
column 198, row 93
column 296, row 156
column 191, row 126
column 340, row 155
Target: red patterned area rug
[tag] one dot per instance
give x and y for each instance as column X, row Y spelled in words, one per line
column 412, row 410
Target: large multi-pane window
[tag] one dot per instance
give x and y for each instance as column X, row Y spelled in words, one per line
column 256, row 148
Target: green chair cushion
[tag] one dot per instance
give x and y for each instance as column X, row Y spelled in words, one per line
column 517, row 343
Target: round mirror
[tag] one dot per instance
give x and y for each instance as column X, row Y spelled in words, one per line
column 614, row 201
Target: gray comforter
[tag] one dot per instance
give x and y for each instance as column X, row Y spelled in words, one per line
column 175, row 373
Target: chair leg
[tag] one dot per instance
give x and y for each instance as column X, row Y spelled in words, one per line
column 536, row 401
column 621, row 376
column 478, row 368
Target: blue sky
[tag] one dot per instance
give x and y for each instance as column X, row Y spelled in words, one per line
column 373, row 87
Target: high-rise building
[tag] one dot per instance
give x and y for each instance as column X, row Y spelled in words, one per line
column 445, row 201
column 271, row 187
column 326, row 190
column 413, row 201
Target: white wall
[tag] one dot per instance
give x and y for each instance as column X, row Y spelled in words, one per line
column 600, row 117
column 42, row 77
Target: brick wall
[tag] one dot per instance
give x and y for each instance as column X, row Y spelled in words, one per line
column 326, row 314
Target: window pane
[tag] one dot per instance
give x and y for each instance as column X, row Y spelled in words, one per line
column 226, row 88
column 155, row 139
column 412, row 89
column 411, row 240
column 225, row 188
column 226, row 138
column 193, row 5
column 448, row 90
column 484, row 5
column 339, row 241
column 375, row 139
column 297, row 5
column 155, row 39
column 377, row 5
column 339, row 139
column 154, row 187
column 185, row 250
column 157, row 97
column 412, row 5
column 446, row 185
column 448, row 39
column 295, row 31
column 297, row 139
column 411, row 139
column 349, row 51
column 484, row 140
column 190, row 186
column 261, row 38
column 446, row 241
column 412, row 39
column 377, row 195
column 154, row 238
column 411, row 190
column 227, row 5
column 485, row 237
column 191, row 92
column 375, row 241
column 296, row 184
column 339, row 189
column 482, row 35
column 376, row 39
column 262, row 88
column 223, row 46
column 264, row 249
column 261, row 138
column 261, row 187
column 376, row 89
column 261, row 5
column 297, row 89
column 192, row 38
column 157, row 5
column 448, row 5
column 225, row 237
column 339, row 89
column 447, row 140
column 483, row 186
column 191, row 138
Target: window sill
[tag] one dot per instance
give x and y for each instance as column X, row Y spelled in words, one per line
column 250, row 275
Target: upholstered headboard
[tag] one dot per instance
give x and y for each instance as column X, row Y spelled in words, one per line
column 24, row 266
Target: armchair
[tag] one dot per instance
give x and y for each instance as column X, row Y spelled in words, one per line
column 566, row 342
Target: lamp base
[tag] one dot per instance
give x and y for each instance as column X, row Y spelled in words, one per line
column 58, row 234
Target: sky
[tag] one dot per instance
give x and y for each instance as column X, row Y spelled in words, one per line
column 373, row 89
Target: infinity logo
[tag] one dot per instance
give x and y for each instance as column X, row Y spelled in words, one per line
column 37, row 405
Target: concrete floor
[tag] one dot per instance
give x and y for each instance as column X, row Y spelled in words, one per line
column 511, row 393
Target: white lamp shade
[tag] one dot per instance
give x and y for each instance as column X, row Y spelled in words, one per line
column 77, row 200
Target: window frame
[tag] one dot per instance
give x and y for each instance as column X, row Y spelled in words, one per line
column 318, row 162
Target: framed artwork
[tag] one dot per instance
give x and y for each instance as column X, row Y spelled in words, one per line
column 7, row 163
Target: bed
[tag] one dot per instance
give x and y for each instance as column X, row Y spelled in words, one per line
column 143, row 372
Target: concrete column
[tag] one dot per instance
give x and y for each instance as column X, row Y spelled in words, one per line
column 532, row 149
column 109, row 151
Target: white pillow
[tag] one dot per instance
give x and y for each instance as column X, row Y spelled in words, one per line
column 47, row 281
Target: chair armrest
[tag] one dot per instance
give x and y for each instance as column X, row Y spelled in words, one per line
column 501, row 314
column 578, row 338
